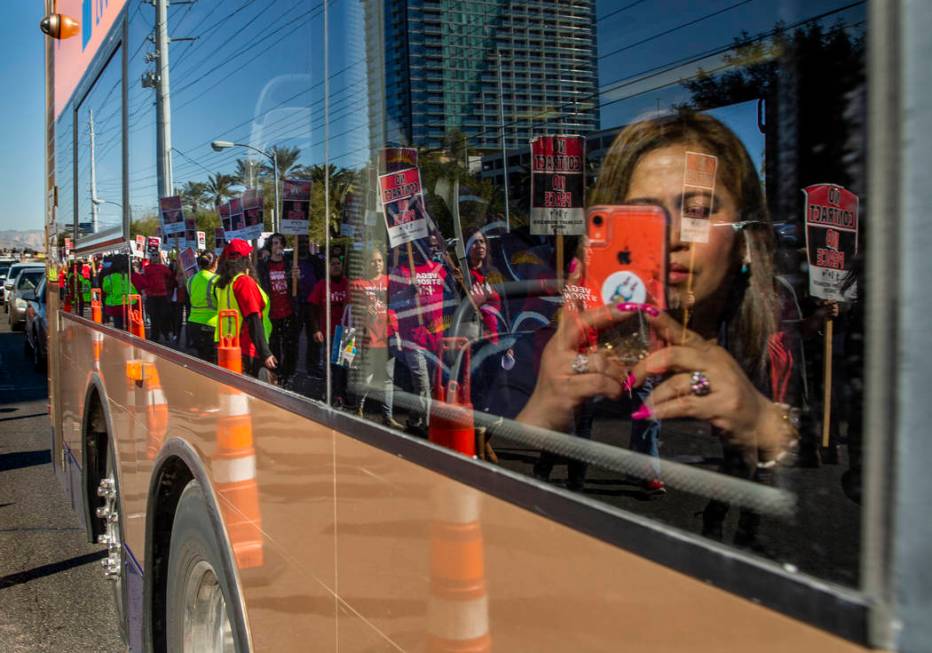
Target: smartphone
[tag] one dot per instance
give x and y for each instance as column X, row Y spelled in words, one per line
column 625, row 260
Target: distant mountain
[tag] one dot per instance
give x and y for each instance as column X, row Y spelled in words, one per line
column 32, row 239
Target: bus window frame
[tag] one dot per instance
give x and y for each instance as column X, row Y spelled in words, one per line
column 115, row 40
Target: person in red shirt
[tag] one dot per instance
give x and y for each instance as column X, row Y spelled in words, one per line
column 320, row 302
column 275, row 277
column 158, row 284
column 379, row 326
column 237, row 278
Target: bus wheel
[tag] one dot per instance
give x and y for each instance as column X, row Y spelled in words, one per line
column 198, row 594
column 109, row 513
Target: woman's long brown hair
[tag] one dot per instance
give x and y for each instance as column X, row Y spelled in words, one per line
column 756, row 316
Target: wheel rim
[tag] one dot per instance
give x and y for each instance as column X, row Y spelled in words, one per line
column 206, row 626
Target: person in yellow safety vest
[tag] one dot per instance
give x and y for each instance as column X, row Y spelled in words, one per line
column 202, row 320
column 116, row 286
column 238, row 290
column 85, row 283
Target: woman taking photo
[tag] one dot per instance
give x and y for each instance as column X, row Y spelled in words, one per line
column 723, row 359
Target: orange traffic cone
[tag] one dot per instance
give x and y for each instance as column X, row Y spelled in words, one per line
column 452, row 424
column 234, row 470
column 229, row 354
column 156, row 411
column 97, row 346
column 97, row 313
column 458, row 611
column 132, row 310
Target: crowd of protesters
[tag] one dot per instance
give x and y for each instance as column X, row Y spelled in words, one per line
column 381, row 331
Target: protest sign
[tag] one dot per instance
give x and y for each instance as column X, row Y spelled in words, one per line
column 403, row 205
column 352, row 218
column 190, row 234
column 237, row 220
column 698, row 180
column 153, row 245
column 226, row 223
column 220, row 240
column 140, row 249
column 557, row 185
column 188, row 259
column 296, row 201
column 252, row 214
column 172, row 215
column 831, row 240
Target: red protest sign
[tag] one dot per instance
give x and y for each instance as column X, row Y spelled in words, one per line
column 557, row 185
column 403, row 204
column 831, row 240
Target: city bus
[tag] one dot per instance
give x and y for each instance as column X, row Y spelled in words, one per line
column 471, row 425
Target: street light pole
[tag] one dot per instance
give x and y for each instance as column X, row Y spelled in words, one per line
column 93, row 173
column 271, row 156
column 163, row 101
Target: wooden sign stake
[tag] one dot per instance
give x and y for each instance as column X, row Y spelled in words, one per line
column 827, row 384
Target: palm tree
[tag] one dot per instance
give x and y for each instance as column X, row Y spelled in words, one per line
column 218, row 187
column 286, row 157
column 248, row 172
column 194, row 194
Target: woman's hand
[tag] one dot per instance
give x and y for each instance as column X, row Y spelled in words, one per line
column 732, row 403
column 318, row 336
column 480, row 294
column 271, row 362
column 565, row 381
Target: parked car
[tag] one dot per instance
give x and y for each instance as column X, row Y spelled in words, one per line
column 10, row 279
column 27, row 280
column 35, row 344
column 5, row 264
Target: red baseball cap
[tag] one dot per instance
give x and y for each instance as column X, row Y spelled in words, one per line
column 239, row 247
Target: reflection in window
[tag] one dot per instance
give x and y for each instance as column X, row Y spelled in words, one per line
column 458, row 273
column 100, row 154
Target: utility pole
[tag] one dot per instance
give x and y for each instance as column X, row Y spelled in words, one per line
column 159, row 80
column 501, row 121
column 93, row 173
column 163, row 107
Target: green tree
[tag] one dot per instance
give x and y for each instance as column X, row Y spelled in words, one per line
column 247, row 172
column 194, row 195
column 286, row 158
column 218, row 187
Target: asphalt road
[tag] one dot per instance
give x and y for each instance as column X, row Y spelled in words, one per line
column 53, row 595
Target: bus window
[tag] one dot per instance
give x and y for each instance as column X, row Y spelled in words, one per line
column 403, row 221
column 99, row 155
column 478, row 284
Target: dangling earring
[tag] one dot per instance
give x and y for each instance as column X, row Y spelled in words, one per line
column 746, row 262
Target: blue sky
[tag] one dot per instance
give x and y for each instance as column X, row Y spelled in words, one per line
column 21, row 115
column 254, row 75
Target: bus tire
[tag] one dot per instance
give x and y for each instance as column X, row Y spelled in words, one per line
column 197, row 582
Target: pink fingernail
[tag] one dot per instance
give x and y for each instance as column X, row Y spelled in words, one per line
column 642, row 413
column 572, row 266
column 627, row 307
column 653, row 311
column 629, row 381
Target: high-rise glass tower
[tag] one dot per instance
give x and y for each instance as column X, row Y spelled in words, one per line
column 445, row 62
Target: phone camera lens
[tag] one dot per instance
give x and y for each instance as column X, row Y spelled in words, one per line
column 597, row 220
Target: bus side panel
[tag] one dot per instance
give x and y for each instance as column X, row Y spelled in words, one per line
column 420, row 555
column 289, row 587
column 341, row 540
